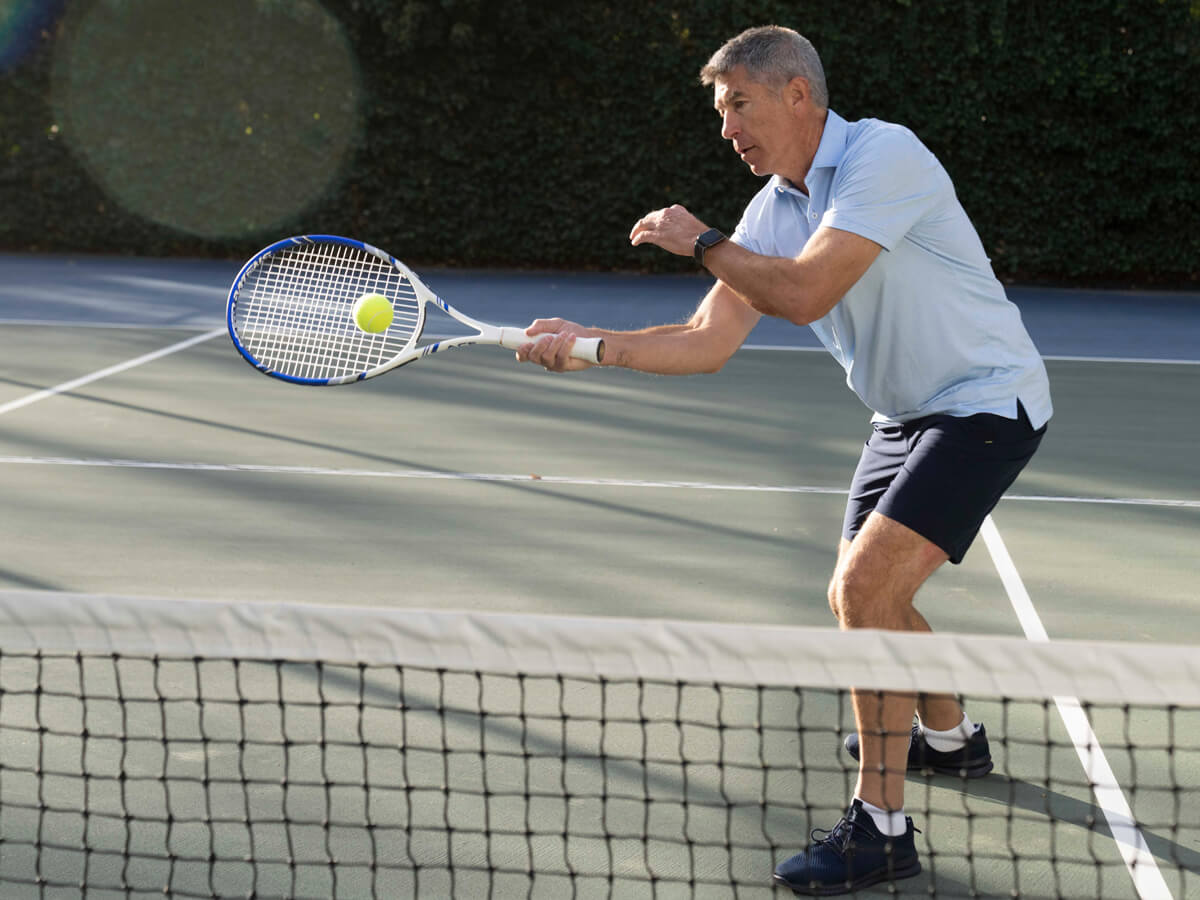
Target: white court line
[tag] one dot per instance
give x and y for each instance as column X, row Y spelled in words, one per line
column 1149, row 361
column 1147, row 879
column 1111, row 501
column 419, row 474
column 104, row 373
column 127, row 326
column 433, row 475
column 786, row 348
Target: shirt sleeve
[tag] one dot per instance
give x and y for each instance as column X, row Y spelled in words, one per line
column 741, row 236
column 884, row 186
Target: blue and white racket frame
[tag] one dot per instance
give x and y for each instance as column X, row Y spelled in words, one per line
column 301, row 328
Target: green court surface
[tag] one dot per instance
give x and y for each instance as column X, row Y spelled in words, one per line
column 469, row 482
column 474, row 481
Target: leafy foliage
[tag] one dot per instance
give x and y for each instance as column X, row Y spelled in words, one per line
column 535, row 132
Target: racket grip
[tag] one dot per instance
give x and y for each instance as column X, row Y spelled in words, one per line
column 588, row 349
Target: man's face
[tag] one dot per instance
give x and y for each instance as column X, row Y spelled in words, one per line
column 755, row 119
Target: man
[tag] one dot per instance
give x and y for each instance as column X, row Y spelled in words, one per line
column 859, row 235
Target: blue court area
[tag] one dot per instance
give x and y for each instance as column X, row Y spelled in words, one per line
column 140, row 456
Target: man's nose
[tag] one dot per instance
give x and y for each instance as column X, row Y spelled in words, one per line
column 729, row 126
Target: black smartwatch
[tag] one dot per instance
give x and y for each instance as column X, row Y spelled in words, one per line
column 710, row 238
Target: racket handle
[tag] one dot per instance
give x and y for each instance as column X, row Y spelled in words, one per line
column 588, row 349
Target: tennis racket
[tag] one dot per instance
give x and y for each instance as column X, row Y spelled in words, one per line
column 290, row 313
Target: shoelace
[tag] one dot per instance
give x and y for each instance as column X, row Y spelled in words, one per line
column 841, row 832
column 839, row 835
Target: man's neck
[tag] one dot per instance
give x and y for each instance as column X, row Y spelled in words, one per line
column 809, row 140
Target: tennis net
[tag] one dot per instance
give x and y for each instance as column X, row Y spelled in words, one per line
column 203, row 749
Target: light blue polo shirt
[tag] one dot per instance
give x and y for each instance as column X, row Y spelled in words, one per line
column 928, row 328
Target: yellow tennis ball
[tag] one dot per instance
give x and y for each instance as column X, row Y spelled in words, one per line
column 373, row 313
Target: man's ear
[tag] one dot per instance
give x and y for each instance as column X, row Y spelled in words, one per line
column 797, row 93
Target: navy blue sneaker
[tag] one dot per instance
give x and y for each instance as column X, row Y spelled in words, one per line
column 854, row 855
column 972, row 761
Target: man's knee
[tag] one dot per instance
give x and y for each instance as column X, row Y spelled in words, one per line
column 835, row 603
column 855, row 601
column 879, row 574
column 833, row 593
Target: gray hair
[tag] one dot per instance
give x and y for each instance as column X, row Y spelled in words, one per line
column 773, row 55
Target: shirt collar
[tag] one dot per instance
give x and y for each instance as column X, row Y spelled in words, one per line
column 833, row 142
column 829, row 151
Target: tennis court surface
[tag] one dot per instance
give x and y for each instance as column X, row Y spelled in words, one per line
column 474, row 630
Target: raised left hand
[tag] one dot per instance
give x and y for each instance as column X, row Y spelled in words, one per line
column 674, row 229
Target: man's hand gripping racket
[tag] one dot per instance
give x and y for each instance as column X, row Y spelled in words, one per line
column 290, row 314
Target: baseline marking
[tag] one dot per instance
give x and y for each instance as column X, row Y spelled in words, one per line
column 104, row 373
column 1143, row 869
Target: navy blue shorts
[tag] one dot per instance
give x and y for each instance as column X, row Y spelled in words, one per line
column 940, row 475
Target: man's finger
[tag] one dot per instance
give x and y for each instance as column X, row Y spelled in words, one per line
column 563, row 352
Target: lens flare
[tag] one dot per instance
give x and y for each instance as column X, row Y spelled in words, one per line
column 220, row 119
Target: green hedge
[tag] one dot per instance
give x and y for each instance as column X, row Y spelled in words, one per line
column 533, row 133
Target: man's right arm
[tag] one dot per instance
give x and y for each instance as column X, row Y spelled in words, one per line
column 704, row 343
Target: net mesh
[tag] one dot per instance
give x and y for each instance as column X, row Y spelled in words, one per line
column 293, row 311
column 212, row 750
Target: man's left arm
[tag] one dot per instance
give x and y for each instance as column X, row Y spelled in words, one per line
column 800, row 289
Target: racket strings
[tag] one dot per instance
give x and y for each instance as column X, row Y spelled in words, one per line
column 294, row 311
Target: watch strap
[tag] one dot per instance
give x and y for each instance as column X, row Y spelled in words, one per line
column 707, row 239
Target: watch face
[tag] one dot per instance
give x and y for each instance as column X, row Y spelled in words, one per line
column 706, row 240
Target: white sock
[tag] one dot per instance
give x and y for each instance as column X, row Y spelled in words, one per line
column 953, row 739
column 890, row 823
